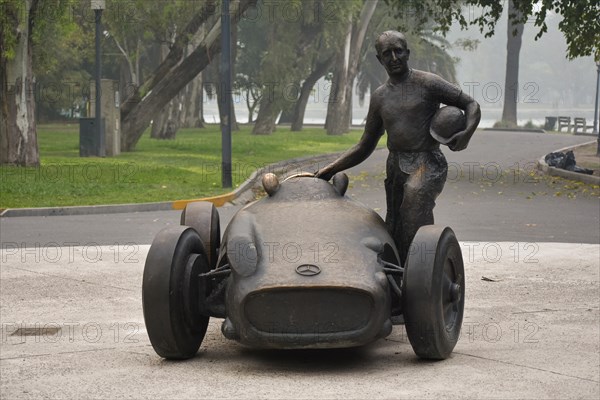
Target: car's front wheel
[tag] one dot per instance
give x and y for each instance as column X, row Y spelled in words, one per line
column 204, row 218
column 433, row 292
column 171, row 292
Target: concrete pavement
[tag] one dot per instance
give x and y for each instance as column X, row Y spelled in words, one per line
column 72, row 327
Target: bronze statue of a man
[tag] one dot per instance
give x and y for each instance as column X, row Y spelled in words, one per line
column 416, row 168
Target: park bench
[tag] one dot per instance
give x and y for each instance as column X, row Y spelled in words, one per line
column 579, row 123
column 564, row 122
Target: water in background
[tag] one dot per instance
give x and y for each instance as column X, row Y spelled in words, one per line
column 316, row 113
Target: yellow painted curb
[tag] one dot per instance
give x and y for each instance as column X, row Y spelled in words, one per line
column 218, row 201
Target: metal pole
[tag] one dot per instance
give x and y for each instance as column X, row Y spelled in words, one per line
column 226, row 95
column 596, row 108
column 98, row 15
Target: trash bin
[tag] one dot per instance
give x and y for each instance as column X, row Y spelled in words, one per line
column 110, row 113
column 550, row 123
column 91, row 142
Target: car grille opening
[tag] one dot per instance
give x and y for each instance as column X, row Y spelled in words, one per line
column 308, row 311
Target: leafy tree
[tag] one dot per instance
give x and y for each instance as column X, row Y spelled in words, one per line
column 62, row 55
column 18, row 136
column 250, row 48
column 296, row 36
column 25, row 26
column 580, row 26
column 151, row 30
column 177, row 69
column 339, row 110
column 321, row 64
column 326, row 51
column 144, row 32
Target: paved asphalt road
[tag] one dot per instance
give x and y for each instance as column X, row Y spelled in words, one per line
column 489, row 196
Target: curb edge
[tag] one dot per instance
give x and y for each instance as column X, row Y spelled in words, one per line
column 552, row 171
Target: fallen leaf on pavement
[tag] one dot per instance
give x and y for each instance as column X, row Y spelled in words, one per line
column 485, row 278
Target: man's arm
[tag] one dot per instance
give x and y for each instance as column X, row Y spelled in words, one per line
column 363, row 149
column 473, row 114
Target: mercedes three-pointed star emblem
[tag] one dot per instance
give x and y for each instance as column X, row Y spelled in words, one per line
column 308, row 270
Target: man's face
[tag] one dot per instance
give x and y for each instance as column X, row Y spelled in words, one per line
column 393, row 55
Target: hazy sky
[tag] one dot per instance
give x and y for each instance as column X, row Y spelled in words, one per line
column 547, row 80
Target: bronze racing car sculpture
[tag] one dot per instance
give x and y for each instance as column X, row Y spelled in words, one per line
column 304, row 267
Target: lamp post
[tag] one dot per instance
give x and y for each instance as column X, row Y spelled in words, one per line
column 226, row 95
column 596, row 107
column 98, row 6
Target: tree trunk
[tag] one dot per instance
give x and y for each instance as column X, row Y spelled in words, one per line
column 252, row 101
column 192, row 104
column 267, row 116
column 191, row 115
column 220, row 101
column 158, row 123
column 220, row 89
column 167, row 123
column 269, row 108
column 275, row 95
column 300, row 106
column 511, row 82
column 135, row 122
column 287, row 115
column 339, row 111
column 125, row 81
column 290, row 96
column 176, row 53
column 199, row 103
column 183, row 101
column 18, row 135
column 137, row 114
column 334, row 122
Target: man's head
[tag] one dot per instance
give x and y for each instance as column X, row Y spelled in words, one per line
column 393, row 52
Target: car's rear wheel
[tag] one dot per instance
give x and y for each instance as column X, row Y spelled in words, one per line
column 171, row 292
column 204, row 218
column 433, row 292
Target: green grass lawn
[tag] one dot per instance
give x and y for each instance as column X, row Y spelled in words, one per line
column 159, row 170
